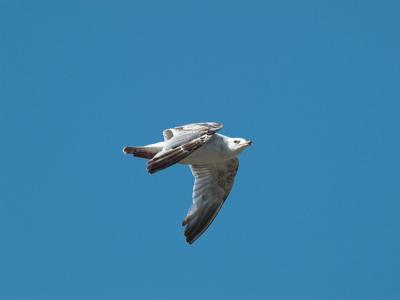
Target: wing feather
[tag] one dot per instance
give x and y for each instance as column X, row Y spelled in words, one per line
column 194, row 127
column 212, row 185
column 181, row 142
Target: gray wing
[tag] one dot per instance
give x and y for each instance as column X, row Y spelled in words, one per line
column 212, row 185
column 180, row 142
column 191, row 128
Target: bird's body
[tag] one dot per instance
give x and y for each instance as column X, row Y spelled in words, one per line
column 214, row 151
column 212, row 160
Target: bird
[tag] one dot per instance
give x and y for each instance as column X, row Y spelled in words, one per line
column 212, row 159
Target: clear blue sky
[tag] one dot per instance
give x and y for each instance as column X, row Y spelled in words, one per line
column 315, row 210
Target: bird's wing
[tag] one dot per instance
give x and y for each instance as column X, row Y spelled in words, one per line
column 180, row 142
column 212, row 185
column 190, row 128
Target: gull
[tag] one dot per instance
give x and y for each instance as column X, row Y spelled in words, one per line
column 212, row 158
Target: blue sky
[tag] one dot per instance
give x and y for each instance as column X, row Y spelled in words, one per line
column 315, row 210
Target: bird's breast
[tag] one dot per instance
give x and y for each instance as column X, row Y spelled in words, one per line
column 211, row 152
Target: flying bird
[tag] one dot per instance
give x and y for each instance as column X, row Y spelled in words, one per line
column 212, row 158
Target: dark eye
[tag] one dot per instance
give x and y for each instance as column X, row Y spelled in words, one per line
column 236, row 141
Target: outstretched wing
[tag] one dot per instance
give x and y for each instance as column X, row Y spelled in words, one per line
column 212, row 185
column 191, row 128
column 181, row 142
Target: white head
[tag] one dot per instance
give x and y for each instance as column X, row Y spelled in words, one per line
column 238, row 145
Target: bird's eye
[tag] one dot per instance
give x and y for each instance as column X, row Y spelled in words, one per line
column 236, row 141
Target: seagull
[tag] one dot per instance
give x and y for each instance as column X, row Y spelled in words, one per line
column 212, row 158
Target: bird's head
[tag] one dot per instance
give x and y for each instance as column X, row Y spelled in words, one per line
column 238, row 144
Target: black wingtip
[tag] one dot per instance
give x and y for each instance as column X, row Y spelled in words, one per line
column 151, row 170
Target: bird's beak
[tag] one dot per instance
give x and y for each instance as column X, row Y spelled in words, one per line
column 248, row 143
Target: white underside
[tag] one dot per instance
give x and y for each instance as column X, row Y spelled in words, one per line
column 213, row 151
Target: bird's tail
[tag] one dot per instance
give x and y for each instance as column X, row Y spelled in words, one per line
column 143, row 152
